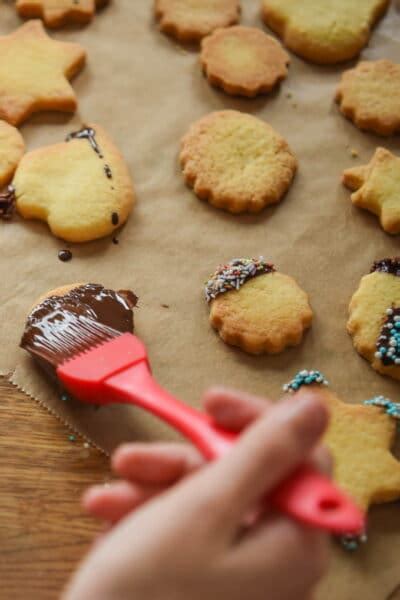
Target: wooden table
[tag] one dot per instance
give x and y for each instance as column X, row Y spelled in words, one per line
column 43, row 533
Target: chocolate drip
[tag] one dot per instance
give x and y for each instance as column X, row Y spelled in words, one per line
column 87, row 133
column 387, row 265
column 65, row 255
column 92, row 307
column 7, row 203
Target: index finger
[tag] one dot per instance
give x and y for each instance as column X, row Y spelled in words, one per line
column 267, row 453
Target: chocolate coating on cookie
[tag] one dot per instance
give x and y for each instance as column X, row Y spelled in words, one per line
column 92, row 301
column 7, row 203
column 387, row 265
column 235, row 274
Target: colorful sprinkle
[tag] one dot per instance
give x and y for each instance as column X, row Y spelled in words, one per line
column 388, row 342
column 352, row 543
column 235, row 274
column 305, row 378
column 72, row 438
column 64, row 397
column 387, row 265
column 391, row 408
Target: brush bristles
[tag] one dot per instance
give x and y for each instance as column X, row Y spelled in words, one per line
column 63, row 335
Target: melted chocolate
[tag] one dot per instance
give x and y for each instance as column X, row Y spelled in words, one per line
column 87, row 133
column 115, row 218
column 387, row 265
column 55, row 327
column 7, row 203
column 65, row 255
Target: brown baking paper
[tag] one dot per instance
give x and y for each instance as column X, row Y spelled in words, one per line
column 146, row 91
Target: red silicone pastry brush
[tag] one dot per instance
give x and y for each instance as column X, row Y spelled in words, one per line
column 98, row 365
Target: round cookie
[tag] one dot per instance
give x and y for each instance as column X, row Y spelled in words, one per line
column 325, row 32
column 374, row 320
column 369, row 95
column 82, row 187
column 256, row 308
column 243, row 61
column 191, row 20
column 237, row 162
column 12, row 148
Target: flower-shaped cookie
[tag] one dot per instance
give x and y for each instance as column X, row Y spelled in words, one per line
column 243, row 61
column 191, row 20
column 237, row 162
column 254, row 307
column 369, row 95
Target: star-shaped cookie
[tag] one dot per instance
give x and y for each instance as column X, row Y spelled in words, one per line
column 376, row 188
column 34, row 73
column 57, row 13
column 360, row 439
column 326, row 32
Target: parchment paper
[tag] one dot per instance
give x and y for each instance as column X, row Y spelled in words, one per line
column 146, row 91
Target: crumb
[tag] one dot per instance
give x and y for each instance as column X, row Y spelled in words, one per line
column 165, row 305
column 354, row 153
column 289, row 95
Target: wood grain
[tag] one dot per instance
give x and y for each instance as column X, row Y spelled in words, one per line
column 43, row 533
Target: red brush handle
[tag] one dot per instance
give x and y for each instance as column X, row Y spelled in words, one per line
column 307, row 496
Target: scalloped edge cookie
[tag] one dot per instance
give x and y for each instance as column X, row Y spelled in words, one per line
column 188, row 30
column 271, row 59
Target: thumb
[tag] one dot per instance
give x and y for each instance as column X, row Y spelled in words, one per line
column 266, row 454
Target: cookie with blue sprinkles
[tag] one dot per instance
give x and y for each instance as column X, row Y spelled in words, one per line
column 360, row 438
column 255, row 308
column 374, row 321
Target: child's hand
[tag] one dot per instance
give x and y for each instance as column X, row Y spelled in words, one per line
column 189, row 542
column 148, row 470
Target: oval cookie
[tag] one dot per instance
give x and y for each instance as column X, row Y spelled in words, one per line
column 82, row 187
column 374, row 322
column 237, row 162
column 256, row 308
column 191, row 20
column 243, row 61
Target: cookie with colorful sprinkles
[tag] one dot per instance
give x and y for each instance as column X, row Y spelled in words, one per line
column 255, row 308
column 374, row 321
column 360, row 438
